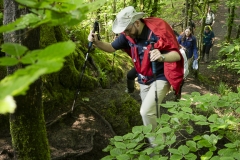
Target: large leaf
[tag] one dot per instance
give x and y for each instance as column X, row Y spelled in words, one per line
column 48, row 60
column 8, row 61
column 14, row 49
column 7, row 105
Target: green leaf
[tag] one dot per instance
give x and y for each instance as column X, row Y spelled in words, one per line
column 139, row 138
column 118, row 138
column 207, row 156
column 227, row 158
column 108, row 148
column 137, row 129
column 19, row 82
column 190, row 156
column 8, row 61
column 164, row 130
column 147, row 129
column 29, row 3
column 192, row 145
column 197, row 137
column 183, row 149
column 14, row 49
column 131, row 145
column 144, row 157
column 165, row 117
column 189, row 129
column 7, row 105
column 213, row 118
column 186, row 109
column 116, row 152
column 57, row 51
column 128, row 136
column 204, row 143
column 230, row 145
column 174, row 151
column 31, row 57
column 215, row 158
column 238, row 110
column 109, row 157
column 176, row 157
column 123, row 157
column 21, row 23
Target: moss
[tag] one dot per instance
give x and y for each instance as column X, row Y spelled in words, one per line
column 121, row 113
column 27, row 126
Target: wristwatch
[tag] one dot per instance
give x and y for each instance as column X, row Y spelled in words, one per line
column 162, row 58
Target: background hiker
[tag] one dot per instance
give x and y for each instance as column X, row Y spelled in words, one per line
column 134, row 33
column 210, row 17
column 208, row 40
column 189, row 43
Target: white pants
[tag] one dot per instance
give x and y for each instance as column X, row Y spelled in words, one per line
column 148, row 107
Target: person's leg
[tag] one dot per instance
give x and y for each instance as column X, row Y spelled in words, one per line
column 207, row 52
column 203, row 52
column 148, row 107
column 131, row 75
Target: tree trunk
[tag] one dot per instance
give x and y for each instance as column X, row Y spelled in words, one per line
column 204, row 8
column 27, row 124
column 230, row 23
column 238, row 32
column 186, row 14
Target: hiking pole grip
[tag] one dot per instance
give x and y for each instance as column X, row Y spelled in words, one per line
column 95, row 29
column 154, row 70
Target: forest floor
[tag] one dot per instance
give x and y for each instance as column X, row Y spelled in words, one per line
column 84, row 135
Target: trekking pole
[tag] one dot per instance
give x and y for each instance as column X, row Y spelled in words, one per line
column 95, row 29
column 154, row 70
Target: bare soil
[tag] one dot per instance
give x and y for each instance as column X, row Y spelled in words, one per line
column 83, row 134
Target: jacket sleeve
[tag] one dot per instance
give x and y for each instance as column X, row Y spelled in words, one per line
column 195, row 49
column 179, row 39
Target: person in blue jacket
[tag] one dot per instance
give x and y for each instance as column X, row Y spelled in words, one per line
column 188, row 42
column 208, row 39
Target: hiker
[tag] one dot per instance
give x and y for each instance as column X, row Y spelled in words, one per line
column 134, row 36
column 208, row 40
column 210, row 17
column 189, row 43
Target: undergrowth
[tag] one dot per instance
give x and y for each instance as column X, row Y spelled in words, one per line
column 198, row 127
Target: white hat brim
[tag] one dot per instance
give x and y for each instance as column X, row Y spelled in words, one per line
column 117, row 27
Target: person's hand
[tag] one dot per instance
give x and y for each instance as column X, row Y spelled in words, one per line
column 155, row 55
column 92, row 37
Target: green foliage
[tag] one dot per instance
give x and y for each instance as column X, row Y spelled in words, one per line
column 42, row 61
column 39, row 62
column 193, row 131
column 223, row 89
column 229, row 57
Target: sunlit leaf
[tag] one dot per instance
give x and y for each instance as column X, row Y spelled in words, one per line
column 14, row 49
column 7, row 105
column 8, row 61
